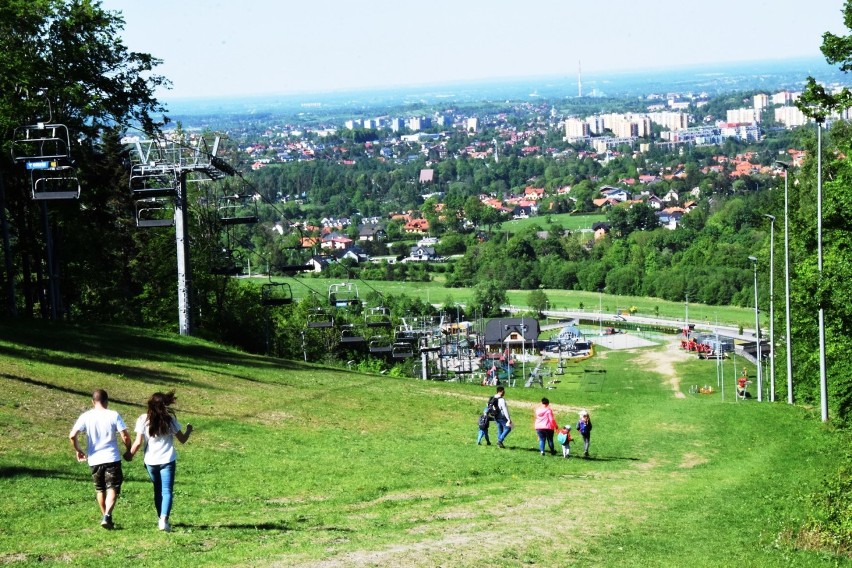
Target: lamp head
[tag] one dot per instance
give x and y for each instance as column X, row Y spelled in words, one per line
column 752, row 258
column 770, row 217
column 784, row 165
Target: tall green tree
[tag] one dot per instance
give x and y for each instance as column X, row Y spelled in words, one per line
column 64, row 61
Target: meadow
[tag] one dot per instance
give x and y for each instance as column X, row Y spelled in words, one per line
column 293, row 464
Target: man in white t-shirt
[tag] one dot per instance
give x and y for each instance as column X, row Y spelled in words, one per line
column 102, row 426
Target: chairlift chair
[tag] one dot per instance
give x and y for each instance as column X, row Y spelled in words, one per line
column 275, row 294
column 153, row 180
column 53, row 182
column 155, row 212
column 377, row 317
column 320, row 319
column 41, row 142
column 237, row 209
column 350, row 337
column 402, row 350
column 227, row 262
column 343, row 295
column 380, row 345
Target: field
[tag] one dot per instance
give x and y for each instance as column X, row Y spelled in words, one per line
column 564, row 220
column 298, row 465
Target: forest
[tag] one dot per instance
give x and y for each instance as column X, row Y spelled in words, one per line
column 85, row 259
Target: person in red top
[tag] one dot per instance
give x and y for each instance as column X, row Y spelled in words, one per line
column 545, row 424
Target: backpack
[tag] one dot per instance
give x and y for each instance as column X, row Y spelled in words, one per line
column 493, row 408
column 483, row 421
column 564, row 436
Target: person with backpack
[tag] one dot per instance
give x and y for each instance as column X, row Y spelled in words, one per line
column 544, row 425
column 484, row 423
column 584, row 427
column 498, row 409
column 564, row 438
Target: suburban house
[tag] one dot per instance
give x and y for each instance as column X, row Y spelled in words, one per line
column 670, row 217
column 372, row 232
column 416, row 226
column 600, row 230
column 319, row 261
column 421, row 253
column 354, row 253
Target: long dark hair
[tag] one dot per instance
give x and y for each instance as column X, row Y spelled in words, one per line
column 160, row 416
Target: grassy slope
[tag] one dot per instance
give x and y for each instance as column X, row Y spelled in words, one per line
column 293, row 464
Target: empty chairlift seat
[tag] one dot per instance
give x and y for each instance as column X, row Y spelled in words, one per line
column 275, row 294
column 237, row 209
column 320, row 319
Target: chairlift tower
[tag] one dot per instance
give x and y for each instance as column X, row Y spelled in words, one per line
column 167, row 164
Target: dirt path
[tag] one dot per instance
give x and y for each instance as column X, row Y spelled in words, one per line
column 663, row 363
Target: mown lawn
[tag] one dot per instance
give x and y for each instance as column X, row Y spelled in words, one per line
column 298, row 465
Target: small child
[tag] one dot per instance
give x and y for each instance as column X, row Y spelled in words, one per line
column 484, row 422
column 564, row 438
column 584, row 427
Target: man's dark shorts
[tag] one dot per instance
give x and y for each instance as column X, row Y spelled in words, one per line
column 107, row 476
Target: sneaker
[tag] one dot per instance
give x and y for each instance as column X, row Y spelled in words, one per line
column 487, row 443
column 542, row 453
column 164, row 525
column 500, row 445
column 106, row 522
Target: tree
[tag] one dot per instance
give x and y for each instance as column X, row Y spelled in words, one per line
column 537, row 300
column 488, row 297
column 65, row 61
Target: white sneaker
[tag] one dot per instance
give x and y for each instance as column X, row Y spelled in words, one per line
column 164, row 525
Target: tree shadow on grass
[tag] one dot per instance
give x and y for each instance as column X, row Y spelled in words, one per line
column 268, row 526
column 13, row 471
column 574, row 456
column 76, row 392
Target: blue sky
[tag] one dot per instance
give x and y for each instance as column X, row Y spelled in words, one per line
column 244, row 47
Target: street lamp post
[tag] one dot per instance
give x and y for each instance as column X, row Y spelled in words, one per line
column 757, row 333
column 787, row 333
column 771, row 306
column 600, row 314
column 823, row 381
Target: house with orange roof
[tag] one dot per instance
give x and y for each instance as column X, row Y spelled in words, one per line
column 534, row 193
column 420, row 226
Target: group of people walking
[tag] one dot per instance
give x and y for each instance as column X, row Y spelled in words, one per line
column 545, row 425
column 155, row 431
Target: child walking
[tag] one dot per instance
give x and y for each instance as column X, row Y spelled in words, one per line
column 584, row 426
column 484, row 422
column 564, row 438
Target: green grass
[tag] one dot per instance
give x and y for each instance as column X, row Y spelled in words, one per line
column 294, row 464
column 564, row 220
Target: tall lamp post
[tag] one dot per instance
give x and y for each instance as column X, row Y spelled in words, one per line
column 771, row 306
column 757, row 333
column 787, row 333
column 823, row 381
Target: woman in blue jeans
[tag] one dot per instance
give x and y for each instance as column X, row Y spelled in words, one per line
column 157, row 429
